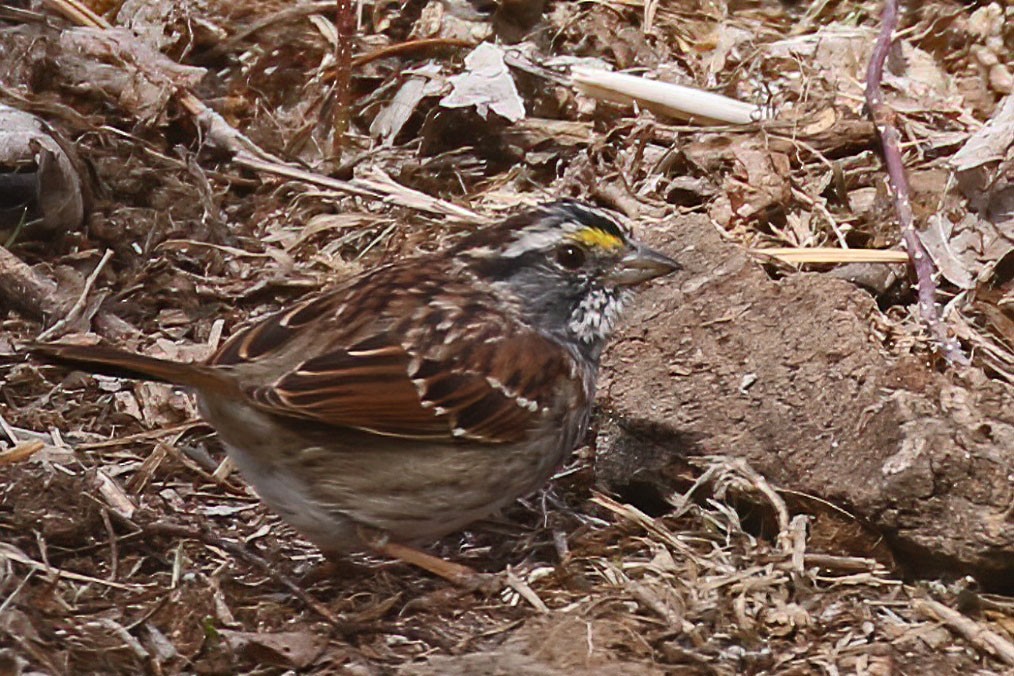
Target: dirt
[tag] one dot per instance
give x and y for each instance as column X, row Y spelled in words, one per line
column 789, row 375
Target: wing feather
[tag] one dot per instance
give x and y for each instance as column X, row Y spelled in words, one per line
column 409, row 367
column 373, row 390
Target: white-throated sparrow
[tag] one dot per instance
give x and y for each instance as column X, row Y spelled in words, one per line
column 426, row 393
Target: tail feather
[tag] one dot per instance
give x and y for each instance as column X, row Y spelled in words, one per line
column 118, row 363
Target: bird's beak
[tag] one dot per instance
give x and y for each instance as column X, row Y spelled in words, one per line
column 642, row 264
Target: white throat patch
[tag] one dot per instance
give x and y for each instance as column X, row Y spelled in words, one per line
column 596, row 315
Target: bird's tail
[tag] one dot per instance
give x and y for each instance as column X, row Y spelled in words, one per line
column 118, row 363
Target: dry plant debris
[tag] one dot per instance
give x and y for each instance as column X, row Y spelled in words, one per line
column 241, row 154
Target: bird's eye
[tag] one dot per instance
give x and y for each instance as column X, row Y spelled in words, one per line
column 570, row 256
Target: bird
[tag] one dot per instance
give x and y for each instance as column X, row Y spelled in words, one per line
column 407, row 402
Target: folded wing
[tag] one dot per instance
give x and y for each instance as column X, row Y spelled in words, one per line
column 390, row 379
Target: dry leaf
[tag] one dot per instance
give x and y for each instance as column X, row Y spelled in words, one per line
column 114, row 62
column 966, row 250
column 422, row 82
column 487, row 85
column 287, row 649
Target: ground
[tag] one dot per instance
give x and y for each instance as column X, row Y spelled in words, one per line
column 783, row 475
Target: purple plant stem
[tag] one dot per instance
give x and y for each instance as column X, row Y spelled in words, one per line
column 890, row 139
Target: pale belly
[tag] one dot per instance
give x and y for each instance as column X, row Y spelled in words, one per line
column 328, row 483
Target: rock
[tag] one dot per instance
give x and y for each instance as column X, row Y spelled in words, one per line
column 723, row 360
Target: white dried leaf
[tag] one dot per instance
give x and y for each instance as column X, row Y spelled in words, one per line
column 423, row 82
column 126, row 403
column 487, row 85
column 966, row 252
column 992, row 143
column 937, row 238
column 159, row 24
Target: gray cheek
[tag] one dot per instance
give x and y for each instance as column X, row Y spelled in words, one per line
column 546, row 299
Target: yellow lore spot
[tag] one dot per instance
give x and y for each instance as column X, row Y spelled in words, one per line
column 595, row 238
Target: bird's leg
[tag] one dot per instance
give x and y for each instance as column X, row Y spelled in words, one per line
column 455, row 573
column 336, row 565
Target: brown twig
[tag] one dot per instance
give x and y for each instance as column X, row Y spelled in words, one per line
column 890, row 139
column 39, row 297
column 345, row 22
column 408, row 47
column 74, row 313
column 976, row 634
column 21, row 452
column 287, row 14
column 239, row 551
column 24, row 289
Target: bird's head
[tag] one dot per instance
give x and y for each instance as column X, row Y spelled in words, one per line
column 570, row 266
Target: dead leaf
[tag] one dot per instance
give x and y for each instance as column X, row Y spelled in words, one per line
column 839, row 55
column 992, row 144
column 759, row 182
column 966, row 250
column 118, row 65
column 940, row 241
column 422, row 82
column 286, row 649
column 487, row 85
column 452, row 19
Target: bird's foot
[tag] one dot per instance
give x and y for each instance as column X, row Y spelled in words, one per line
column 457, row 574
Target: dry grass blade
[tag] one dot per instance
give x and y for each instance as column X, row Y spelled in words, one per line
column 78, row 12
column 20, row 452
column 639, row 518
column 11, row 553
column 74, row 313
column 832, row 255
column 379, row 188
column 522, row 589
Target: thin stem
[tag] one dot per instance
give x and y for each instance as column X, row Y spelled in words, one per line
column 346, row 24
column 890, row 139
